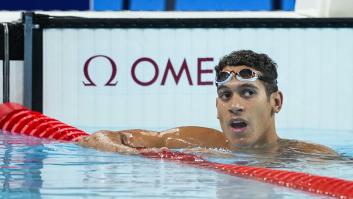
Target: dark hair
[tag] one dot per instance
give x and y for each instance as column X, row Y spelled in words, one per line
column 260, row 62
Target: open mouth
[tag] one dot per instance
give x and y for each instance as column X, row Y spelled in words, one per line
column 238, row 125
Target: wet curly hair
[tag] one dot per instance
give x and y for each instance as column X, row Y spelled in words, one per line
column 260, row 62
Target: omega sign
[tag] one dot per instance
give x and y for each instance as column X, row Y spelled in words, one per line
column 169, row 72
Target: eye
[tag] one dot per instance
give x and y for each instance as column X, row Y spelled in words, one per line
column 225, row 95
column 248, row 92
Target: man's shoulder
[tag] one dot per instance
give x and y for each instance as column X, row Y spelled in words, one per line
column 306, row 147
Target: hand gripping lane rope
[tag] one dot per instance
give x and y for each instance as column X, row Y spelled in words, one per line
column 18, row 119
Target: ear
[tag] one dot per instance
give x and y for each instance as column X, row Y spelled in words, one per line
column 277, row 101
column 217, row 107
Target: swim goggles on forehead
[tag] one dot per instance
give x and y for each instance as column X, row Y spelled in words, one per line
column 244, row 75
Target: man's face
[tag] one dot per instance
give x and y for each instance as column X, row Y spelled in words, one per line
column 245, row 112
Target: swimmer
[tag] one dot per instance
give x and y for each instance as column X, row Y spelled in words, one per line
column 247, row 102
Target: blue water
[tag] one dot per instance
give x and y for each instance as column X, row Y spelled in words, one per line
column 35, row 168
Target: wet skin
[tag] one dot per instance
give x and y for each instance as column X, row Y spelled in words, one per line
column 246, row 115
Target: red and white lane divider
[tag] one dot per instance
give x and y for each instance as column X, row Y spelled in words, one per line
column 18, row 119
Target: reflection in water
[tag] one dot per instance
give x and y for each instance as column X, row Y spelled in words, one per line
column 126, row 176
column 233, row 187
column 22, row 161
column 229, row 187
column 32, row 168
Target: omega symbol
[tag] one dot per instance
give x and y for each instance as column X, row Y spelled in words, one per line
column 112, row 76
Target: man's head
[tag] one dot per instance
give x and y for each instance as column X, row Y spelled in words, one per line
column 260, row 62
column 248, row 98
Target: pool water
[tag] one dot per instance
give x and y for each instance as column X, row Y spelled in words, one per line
column 36, row 168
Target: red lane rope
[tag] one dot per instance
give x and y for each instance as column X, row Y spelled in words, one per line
column 17, row 119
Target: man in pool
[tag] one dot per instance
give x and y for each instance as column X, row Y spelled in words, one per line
column 248, row 99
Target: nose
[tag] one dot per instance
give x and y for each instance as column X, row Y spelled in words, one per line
column 236, row 109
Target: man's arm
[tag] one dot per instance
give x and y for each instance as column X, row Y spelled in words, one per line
column 106, row 141
column 129, row 140
column 180, row 137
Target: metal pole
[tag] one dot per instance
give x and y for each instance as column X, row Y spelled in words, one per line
column 28, row 43
column 6, row 65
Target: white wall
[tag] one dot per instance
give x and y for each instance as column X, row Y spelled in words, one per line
column 16, row 81
column 315, row 74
